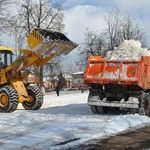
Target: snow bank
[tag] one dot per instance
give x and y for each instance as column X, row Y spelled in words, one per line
column 61, row 123
column 128, row 50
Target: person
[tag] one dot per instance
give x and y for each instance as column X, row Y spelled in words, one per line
column 57, row 89
column 82, row 90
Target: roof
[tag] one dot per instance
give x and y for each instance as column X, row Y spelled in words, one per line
column 81, row 72
column 6, row 48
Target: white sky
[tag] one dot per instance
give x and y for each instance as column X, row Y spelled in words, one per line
column 89, row 14
column 61, row 119
column 77, row 19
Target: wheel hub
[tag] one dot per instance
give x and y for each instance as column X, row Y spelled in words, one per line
column 3, row 100
column 30, row 101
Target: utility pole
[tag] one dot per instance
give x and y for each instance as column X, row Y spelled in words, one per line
column 16, row 40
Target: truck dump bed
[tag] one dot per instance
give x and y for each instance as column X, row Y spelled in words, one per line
column 103, row 71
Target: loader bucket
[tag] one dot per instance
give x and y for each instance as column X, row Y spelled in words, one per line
column 47, row 42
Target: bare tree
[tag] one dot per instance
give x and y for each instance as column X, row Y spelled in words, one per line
column 130, row 30
column 114, row 23
column 119, row 27
column 94, row 44
column 40, row 14
column 4, row 13
column 4, row 8
column 70, row 67
column 50, row 69
column 53, row 66
column 122, row 27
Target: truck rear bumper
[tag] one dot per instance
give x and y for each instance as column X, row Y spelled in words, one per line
column 114, row 104
column 98, row 102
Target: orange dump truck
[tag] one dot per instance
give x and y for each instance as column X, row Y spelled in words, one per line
column 118, row 84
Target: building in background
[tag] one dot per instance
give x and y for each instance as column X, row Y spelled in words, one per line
column 77, row 79
column 73, row 80
column 68, row 78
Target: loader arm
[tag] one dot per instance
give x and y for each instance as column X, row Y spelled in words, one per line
column 44, row 45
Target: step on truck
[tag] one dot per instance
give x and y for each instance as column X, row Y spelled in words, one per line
column 118, row 84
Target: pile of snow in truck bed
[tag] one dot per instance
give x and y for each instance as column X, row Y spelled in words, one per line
column 128, row 50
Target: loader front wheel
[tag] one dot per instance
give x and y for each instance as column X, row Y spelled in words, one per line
column 8, row 99
column 36, row 98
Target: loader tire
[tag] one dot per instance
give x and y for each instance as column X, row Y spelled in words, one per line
column 8, row 99
column 36, row 96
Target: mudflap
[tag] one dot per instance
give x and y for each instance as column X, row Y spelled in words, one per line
column 95, row 101
column 103, row 106
column 144, row 106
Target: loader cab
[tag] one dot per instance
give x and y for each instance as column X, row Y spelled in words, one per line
column 6, row 55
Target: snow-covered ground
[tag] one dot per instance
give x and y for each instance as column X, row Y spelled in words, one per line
column 62, row 122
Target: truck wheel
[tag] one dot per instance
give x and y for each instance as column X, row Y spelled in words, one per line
column 8, row 99
column 102, row 109
column 94, row 109
column 36, row 98
column 147, row 106
column 99, row 109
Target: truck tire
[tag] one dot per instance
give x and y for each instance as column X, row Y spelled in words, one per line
column 99, row 109
column 36, row 96
column 147, row 105
column 8, row 99
column 94, row 109
column 102, row 109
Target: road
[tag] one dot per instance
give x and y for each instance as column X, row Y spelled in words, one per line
column 134, row 140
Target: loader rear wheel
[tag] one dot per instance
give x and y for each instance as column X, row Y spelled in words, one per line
column 36, row 98
column 8, row 99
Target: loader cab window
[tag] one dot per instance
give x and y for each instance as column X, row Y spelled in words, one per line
column 6, row 57
column 1, row 63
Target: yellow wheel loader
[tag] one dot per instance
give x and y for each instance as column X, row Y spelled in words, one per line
column 44, row 45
